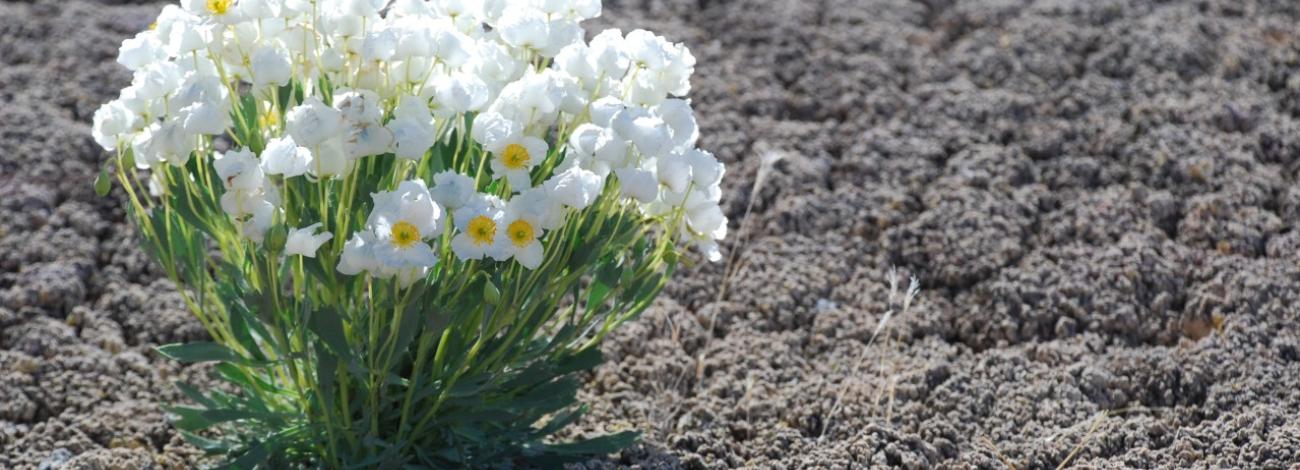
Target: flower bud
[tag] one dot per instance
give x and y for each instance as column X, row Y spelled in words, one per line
column 275, row 239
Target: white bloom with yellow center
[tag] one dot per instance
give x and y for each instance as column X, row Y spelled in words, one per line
column 514, row 157
column 477, row 224
column 402, row 222
column 520, row 229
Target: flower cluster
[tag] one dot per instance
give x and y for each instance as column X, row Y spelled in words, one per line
column 541, row 120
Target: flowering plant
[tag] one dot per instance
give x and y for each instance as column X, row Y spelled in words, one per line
column 426, row 214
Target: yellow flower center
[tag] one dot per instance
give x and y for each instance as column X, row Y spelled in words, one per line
column 482, row 230
column 268, row 119
column 515, row 157
column 405, row 235
column 520, row 232
column 219, row 7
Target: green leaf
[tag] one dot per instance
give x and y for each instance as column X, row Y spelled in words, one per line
column 203, row 351
column 327, row 366
column 491, row 294
column 241, row 326
column 603, row 445
column 102, row 182
column 412, row 318
column 562, row 419
column 582, row 360
column 189, row 418
column 195, row 395
column 283, row 94
column 210, row 446
column 327, row 325
column 252, row 458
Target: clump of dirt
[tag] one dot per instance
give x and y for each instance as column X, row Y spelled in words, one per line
column 1097, row 197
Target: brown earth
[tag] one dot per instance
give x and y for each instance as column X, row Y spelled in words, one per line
column 1097, row 196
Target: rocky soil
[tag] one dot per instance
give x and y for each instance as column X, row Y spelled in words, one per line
column 1097, row 196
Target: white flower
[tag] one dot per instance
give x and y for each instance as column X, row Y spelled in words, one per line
column 180, row 31
column 357, row 106
column 379, row 45
column 156, row 80
column 596, row 149
column 312, row 122
column 518, row 233
column 402, row 222
column 679, row 117
column 575, row 9
column 638, row 184
column 583, row 139
column 575, row 187
column 243, row 181
column 575, row 60
column 514, row 156
column 477, row 223
column 459, row 93
column 358, row 255
column 449, row 45
column 708, row 219
column 111, row 121
column 330, row 159
column 545, row 211
column 406, row 74
column 270, row 66
column 305, row 241
column 603, row 110
column 451, row 189
column 530, row 29
column 534, row 98
column 706, row 170
column 495, row 65
column 418, row 8
column 143, row 49
column 362, row 114
column 412, row 128
column 199, row 89
column 260, row 9
column 223, row 11
column 238, row 170
column 210, row 118
column 490, row 128
column 284, row 157
column 361, row 7
column 169, row 142
column 256, row 222
column 664, row 68
column 249, row 202
column 367, row 138
column 648, row 132
column 674, row 172
column 608, row 54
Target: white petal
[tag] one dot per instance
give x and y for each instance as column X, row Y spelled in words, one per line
column 530, row 256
